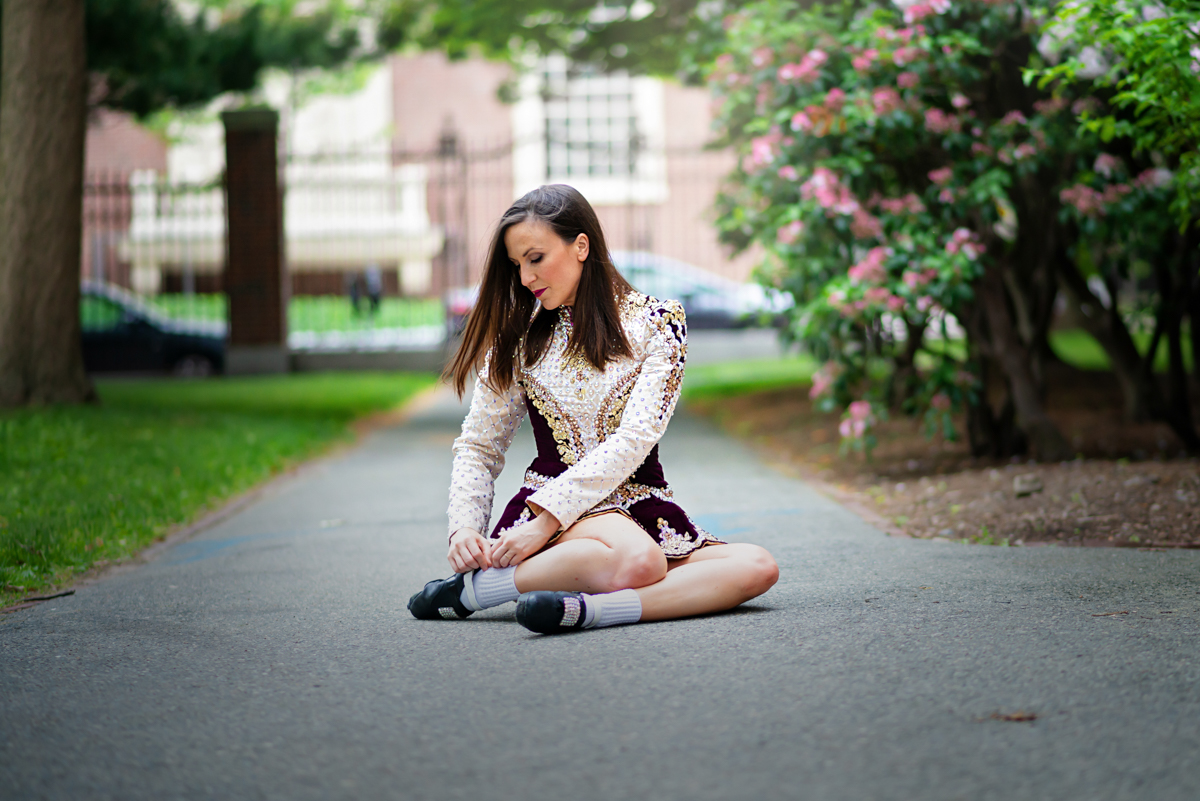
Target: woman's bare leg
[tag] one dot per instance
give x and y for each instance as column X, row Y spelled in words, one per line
column 605, row 553
column 712, row 579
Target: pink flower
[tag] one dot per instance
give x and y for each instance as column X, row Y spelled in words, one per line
column 877, row 294
column 915, row 279
column 908, row 80
column 788, row 173
column 762, row 57
column 860, row 411
column 980, row 149
column 925, row 303
column 1050, row 107
column 1014, row 118
column 896, row 303
column 1115, row 192
column 965, row 240
column 947, row 50
column 940, row 6
column 823, row 379
column 863, row 63
column 870, row 270
column 1153, row 179
column 885, row 100
column 1087, row 201
column 789, row 233
column 942, row 175
column 909, row 204
column 1024, row 151
column 762, row 149
column 1106, row 164
column 864, row 226
column 827, row 189
column 939, row 122
column 835, row 99
column 906, row 55
column 941, row 402
column 946, row 196
column 802, row 122
column 959, row 100
column 807, row 70
column 918, row 11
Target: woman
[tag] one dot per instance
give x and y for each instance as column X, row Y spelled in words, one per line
column 593, row 538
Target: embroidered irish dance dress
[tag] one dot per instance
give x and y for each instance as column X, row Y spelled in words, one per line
column 597, row 433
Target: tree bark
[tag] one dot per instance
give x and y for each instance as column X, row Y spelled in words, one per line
column 1045, row 439
column 1142, row 397
column 1175, row 293
column 43, row 107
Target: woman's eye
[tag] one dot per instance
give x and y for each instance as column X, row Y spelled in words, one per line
column 535, row 260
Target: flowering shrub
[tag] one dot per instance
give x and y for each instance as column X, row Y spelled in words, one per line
column 889, row 168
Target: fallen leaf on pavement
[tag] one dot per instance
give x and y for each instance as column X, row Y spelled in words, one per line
column 1015, row 717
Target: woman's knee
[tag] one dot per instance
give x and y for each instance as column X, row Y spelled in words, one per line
column 760, row 570
column 640, row 568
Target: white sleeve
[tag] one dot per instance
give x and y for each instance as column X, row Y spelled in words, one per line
column 647, row 412
column 487, row 432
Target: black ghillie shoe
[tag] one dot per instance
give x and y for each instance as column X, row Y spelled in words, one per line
column 551, row 612
column 440, row 599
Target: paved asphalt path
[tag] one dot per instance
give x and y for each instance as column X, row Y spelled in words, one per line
column 272, row 657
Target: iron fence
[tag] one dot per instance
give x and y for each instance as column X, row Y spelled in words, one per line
column 375, row 241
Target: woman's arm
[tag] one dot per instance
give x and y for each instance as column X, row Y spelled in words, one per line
column 487, row 432
column 647, row 412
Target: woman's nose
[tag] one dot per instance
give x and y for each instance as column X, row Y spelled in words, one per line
column 526, row 275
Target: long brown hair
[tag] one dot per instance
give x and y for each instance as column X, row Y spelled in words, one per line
column 502, row 316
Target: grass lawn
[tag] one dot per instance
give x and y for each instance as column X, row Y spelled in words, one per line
column 725, row 379
column 82, row 485
column 1077, row 348
column 317, row 313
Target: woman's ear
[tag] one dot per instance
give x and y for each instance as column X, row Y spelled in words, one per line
column 582, row 247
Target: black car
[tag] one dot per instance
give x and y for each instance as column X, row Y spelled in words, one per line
column 123, row 334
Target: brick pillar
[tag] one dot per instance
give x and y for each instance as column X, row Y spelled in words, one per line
column 254, row 256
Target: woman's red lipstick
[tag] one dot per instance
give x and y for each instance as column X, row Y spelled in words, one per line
column 537, row 293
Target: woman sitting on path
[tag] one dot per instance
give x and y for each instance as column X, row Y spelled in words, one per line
column 593, row 538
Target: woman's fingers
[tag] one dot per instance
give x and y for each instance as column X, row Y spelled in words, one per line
column 479, row 554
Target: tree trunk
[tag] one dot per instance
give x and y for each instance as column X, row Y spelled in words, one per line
column 43, row 81
column 1142, row 397
column 1194, row 323
column 1174, row 290
column 1045, row 439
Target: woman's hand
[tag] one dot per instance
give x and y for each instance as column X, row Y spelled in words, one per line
column 469, row 550
column 524, row 541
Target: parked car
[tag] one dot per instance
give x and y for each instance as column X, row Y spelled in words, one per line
column 121, row 333
column 709, row 300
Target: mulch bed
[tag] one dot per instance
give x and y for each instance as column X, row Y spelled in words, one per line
column 1130, row 486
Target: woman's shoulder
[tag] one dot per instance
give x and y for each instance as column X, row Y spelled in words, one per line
column 645, row 318
column 649, row 310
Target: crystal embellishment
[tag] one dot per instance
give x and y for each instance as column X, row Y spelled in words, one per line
column 448, row 613
column 571, row 611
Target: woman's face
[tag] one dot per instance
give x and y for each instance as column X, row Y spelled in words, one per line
column 550, row 268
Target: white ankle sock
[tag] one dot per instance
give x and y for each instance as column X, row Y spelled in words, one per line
column 492, row 587
column 611, row 609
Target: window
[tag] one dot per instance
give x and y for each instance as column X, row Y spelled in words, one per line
column 601, row 133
